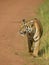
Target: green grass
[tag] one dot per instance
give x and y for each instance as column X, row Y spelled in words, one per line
column 43, row 15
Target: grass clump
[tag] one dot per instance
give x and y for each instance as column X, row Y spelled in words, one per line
column 43, row 15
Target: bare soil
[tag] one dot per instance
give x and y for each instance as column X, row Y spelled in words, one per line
column 13, row 47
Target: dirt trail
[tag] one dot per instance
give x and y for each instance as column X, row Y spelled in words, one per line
column 11, row 43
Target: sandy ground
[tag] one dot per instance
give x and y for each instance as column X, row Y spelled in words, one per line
column 11, row 43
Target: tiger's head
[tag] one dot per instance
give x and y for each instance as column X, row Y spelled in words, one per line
column 27, row 27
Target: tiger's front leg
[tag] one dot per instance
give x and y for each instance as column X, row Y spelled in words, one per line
column 36, row 48
column 30, row 42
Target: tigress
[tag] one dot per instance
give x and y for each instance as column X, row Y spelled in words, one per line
column 33, row 30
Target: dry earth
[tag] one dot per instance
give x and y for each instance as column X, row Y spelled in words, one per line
column 12, row 46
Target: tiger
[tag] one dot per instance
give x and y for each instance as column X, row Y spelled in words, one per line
column 33, row 30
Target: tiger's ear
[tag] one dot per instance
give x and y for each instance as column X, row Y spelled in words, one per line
column 24, row 21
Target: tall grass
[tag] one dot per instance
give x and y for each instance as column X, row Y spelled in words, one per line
column 43, row 15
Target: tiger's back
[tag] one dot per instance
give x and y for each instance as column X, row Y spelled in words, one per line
column 38, row 26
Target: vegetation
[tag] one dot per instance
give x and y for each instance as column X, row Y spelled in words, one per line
column 43, row 15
